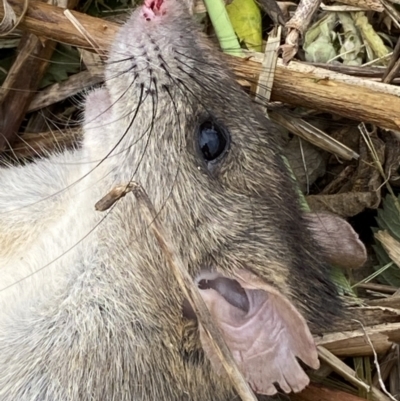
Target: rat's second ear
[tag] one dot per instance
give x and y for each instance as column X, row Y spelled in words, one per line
column 338, row 240
column 262, row 329
column 97, row 106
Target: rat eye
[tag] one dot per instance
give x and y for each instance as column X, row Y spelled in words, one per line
column 212, row 140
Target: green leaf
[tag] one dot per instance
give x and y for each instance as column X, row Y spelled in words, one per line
column 245, row 17
column 319, row 40
column 223, row 27
column 341, row 282
column 65, row 61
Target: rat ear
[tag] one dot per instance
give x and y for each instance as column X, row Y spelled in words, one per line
column 337, row 238
column 262, row 329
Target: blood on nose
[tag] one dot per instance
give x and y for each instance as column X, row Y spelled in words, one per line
column 154, row 7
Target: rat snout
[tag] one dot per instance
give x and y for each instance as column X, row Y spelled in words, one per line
column 147, row 46
column 152, row 9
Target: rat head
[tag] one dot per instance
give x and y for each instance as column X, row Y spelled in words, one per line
column 174, row 119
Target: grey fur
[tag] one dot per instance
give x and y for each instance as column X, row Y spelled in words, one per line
column 104, row 320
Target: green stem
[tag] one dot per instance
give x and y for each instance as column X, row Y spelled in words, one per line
column 223, row 27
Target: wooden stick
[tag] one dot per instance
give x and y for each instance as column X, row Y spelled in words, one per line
column 40, row 143
column 349, row 374
column 352, row 343
column 316, row 392
column 305, row 86
column 62, row 90
column 50, row 22
column 374, row 5
column 297, row 87
column 21, row 84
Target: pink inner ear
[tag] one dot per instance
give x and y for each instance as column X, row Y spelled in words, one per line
column 265, row 340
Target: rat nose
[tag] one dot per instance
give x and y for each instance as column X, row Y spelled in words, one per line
column 153, row 8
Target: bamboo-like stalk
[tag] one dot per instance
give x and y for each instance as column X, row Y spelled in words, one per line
column 223, row 27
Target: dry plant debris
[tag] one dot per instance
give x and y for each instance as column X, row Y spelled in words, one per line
column 328, row 72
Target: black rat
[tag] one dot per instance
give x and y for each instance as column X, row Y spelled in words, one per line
column 89, row 307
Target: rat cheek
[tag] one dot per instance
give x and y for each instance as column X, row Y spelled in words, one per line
column 266, row 340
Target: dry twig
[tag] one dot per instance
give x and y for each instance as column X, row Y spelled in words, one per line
column 376, row 363
column 185, row 282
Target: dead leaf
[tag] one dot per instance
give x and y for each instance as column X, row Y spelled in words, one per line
column 391, row 245
column 346, row 205
column 307, row 162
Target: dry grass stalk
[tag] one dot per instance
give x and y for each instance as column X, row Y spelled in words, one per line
column 377, row 366
column 336, row 78
column 352, row 343
column 386, row 289
column 319, row 393
column 349, row 374
column 393, row 67
column 339, row 8
column 341, row 368
column 63, row 90
column 316, row 88
column 391, row 245
column 392, row 12
column 386, row 364
column 81, row 29
column 185, row 282
column 42, row 143
column 389, row 302
column 373, row 5
column 266, row 77
column 297, row 26
column 375, row 157
column 113, row 196
column 312, row 134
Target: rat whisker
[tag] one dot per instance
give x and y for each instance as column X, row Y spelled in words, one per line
column 88, row 173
